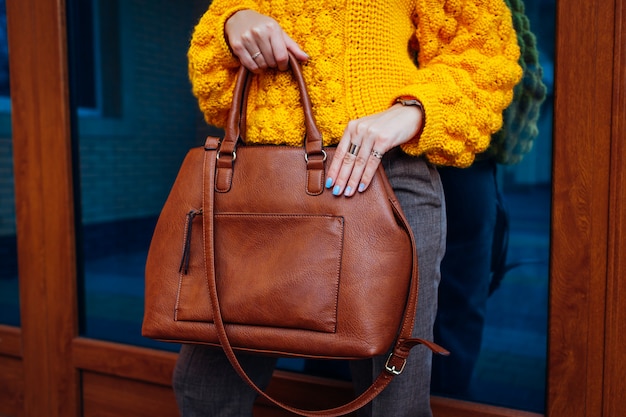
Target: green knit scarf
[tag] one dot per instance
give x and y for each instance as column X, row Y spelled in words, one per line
column 519, row 129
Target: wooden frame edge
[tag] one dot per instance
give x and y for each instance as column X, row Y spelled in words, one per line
column 614, row 384
column 44, row 204
column 580, row 207
column 10, row 341
column 133, row 362
column 156, row 366
column 448, row 407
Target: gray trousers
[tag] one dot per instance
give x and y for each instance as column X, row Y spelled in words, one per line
column 205, row 384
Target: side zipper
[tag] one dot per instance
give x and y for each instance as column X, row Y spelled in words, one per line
column 184, row 262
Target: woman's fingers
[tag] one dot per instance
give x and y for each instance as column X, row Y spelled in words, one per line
column 278, row 50
column 295, row 49
column 363, row 171
column 354, row 166
column 351, row 160
column 259, row 42
column 374, row 159
column 363, row 144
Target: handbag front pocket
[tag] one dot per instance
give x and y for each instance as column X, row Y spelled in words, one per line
column 281, row 270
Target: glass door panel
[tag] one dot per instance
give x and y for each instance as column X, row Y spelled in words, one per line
column 135, row 118
column 9, row 292
column 508, row 368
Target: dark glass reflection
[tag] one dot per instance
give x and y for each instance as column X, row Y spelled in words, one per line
column 9, row 293
column 4, row 52
column 134, row 120
column 493, row 298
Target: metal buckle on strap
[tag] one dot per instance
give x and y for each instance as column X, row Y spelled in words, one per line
column 234, row 155
column 306, row 156
column 392, row 369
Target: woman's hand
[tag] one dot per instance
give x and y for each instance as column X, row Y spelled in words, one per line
column 259, row 41
column 364, row 143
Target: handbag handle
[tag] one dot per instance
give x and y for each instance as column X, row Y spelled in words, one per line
column 313, row 147
column 314, row 156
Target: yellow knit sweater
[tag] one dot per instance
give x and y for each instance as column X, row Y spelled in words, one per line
column 362, row 59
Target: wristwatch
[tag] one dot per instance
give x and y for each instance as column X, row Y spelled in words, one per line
column 410, row 101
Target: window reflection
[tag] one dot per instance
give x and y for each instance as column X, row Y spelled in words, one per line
column 508, row 367
column 81, row 31
column 4, row 52
column 135, row 119
column 9, row 294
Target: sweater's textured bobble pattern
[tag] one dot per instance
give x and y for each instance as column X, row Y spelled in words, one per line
column 360, row 63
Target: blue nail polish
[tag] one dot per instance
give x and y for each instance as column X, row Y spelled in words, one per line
column 361, row 187
column 348, row 191
column 336, row 190
column 329, row 182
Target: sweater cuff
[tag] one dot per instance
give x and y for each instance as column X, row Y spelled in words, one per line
column 423, row 143
column 441, row 141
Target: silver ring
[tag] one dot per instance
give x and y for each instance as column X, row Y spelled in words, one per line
column 377, row 154
column 354, row 149
column 256, row 55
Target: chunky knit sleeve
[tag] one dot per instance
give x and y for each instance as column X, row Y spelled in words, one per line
column 467, row 54
column 212, row 66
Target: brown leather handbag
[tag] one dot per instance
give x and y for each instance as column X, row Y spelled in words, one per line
column 252, row 253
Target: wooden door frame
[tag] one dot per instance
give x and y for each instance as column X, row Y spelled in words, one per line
column 588, row 213
column 613, row 384
column 587, row 324
column 44, row 205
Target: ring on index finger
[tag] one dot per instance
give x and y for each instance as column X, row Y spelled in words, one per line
column 354, row 149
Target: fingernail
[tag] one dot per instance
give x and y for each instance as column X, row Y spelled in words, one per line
column 361, row 187
column 329, row 182
column 348, row 191
column 336, row 190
